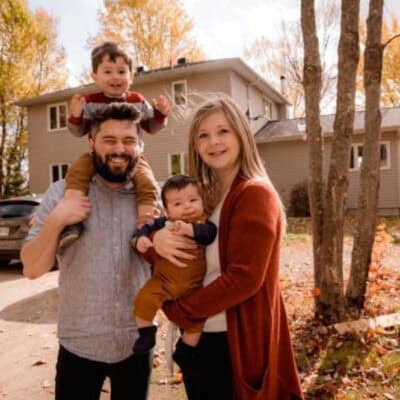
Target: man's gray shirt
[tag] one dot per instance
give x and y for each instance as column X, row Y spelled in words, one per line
column 99, row 275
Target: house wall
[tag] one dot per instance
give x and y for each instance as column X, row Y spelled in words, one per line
column 287, row 165
column 46, row 148
column 250, row 98
column 174, row 139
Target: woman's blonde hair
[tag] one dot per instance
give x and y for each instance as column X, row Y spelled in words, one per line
column 251, row 165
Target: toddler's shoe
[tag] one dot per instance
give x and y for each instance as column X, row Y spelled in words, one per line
column 69, row 235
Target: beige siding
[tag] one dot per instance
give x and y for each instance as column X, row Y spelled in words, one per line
column 46, row 148
column 250, row 98
column 287, row 165
column 174, row 138
column 389, row 180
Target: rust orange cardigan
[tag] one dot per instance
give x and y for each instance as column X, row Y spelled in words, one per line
column 248, row 289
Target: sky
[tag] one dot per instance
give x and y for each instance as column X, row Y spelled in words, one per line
column 224, row 28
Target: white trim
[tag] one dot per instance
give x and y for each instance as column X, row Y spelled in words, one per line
column 356, row 146
column 388, row 154
column 184, row 82
column 181, row 159
column 57, row 106
column 267, row 101
column 59, row 165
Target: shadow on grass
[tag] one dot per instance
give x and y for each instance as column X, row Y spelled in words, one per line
column 38, row 309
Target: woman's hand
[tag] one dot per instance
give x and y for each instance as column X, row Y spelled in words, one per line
column 172, row 246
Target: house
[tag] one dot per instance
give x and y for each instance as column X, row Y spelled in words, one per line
column 281, row 142
column 52, row 148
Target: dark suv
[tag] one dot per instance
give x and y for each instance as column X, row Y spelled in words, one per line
column 16, row 217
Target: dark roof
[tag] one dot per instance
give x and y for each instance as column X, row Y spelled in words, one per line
column 293, row 129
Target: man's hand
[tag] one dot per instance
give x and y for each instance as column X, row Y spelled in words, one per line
column 162, row 105
column 76, row 105
column 172, row 246
column 143, row 244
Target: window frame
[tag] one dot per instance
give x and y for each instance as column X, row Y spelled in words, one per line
column 60, row 172
column 173, row 84
column 181, row 163
column 356, row 146
column 267, row 102
column 57, row 107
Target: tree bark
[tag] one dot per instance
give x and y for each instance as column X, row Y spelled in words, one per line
column 331, row 304
column 312, row 82
column 370, row 168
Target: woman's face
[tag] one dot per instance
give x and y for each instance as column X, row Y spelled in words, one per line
column 217, row 143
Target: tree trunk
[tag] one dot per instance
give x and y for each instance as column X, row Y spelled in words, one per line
column 331, row 305
column 312, row 82
column 369, row 187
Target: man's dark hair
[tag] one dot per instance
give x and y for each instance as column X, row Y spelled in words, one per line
column 118, row 111
column 177, row 182
column 113, row 51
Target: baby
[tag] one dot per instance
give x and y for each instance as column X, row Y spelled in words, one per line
column 185, row 215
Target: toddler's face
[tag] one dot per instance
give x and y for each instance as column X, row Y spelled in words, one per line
column 113, row 78
column 184, row 204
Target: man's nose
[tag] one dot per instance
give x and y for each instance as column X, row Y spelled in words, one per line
column 119, row 147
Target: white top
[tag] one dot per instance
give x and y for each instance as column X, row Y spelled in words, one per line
column 216, row 323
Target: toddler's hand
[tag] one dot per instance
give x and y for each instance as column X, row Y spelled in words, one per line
column 76, row 105
column 162, row 105
column 183, row 228
column 143, row 244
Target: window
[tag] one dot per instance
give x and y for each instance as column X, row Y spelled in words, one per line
column 179, row 92
column 356, row 156
column 177, row 164
column 267, row 108
column 58, row 171
column 57, row 116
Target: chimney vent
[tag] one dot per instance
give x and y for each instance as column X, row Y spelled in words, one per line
column 283, row 85
column 181, row 61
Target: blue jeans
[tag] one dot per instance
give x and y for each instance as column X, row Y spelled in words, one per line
column 78, row 378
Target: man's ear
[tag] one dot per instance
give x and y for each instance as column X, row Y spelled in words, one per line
column 91, row 142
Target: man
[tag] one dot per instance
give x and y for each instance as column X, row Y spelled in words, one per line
column 100, row 273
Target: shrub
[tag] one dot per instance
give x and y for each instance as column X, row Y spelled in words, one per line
column 299, row 205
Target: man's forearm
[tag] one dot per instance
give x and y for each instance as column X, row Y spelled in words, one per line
column 38, row 255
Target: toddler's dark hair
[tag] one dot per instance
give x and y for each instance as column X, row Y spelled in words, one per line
column 113, row 51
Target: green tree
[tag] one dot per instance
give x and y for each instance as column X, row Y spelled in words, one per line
column 31, row 62
column 155, row 32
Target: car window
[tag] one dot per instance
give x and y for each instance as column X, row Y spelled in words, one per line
column 16, row 210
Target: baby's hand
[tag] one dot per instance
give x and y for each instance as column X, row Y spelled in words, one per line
column 162, row 105
column 143, row 244
column 76, row 105
column 183, row 228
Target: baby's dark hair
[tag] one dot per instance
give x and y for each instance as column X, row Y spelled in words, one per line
column 177, row 182
column 113, row 51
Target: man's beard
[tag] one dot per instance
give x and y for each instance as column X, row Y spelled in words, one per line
column 115, row 175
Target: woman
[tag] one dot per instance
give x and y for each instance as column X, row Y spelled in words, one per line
column 245, row 350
